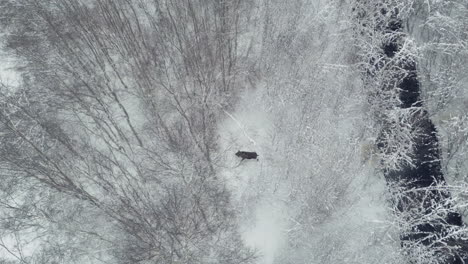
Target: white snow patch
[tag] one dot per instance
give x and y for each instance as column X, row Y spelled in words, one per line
column 249, row 129
column 266, row 235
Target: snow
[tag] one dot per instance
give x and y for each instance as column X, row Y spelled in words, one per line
column 8, row 75
column 360, row 229
column 316, row 194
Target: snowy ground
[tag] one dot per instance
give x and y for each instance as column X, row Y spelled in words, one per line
column 275, row 219
column 8, row 76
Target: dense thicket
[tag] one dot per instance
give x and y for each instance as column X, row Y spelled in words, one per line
column 432, row 230
column 109, row 146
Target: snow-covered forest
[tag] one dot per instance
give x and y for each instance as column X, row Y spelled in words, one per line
column 233, row 131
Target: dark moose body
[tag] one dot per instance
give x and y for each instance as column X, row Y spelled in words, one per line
column 247, row 155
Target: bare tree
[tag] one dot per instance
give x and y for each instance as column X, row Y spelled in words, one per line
column 116, row 118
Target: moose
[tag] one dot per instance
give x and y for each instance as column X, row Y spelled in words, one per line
column 247, row 155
